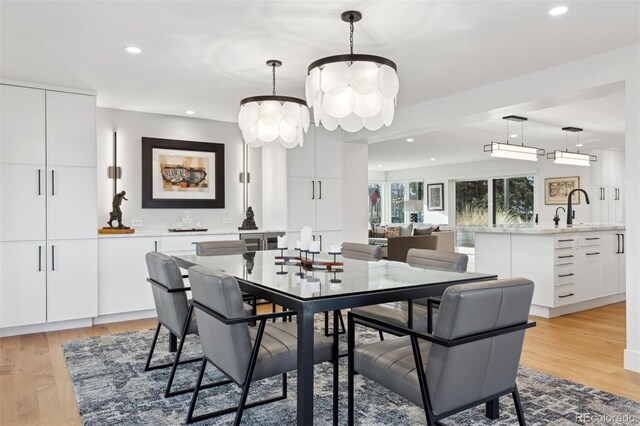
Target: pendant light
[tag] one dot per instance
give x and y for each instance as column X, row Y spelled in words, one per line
column 513, row 151
column 272, row 117
column 571, row 158
column 352, row 90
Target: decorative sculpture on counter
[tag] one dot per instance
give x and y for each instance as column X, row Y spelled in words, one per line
column 249, row 222
column 250, row 257
column 116, row 213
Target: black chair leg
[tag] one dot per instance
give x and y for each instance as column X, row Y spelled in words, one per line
column 381, row 335
column 153, row 347
column 518, row 404
column 196, row 390
column 336, row 358
column 350, row 373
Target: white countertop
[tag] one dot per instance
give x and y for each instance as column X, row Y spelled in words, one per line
column 542, row 229
column 225, row 231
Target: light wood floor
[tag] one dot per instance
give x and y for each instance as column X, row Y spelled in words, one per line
column 586, row 348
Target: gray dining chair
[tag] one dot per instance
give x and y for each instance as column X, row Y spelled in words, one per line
column 360, row 251
column 472, row 357
column 243, row 353
column 422, row 309
column 172, row 310
column 217, row 248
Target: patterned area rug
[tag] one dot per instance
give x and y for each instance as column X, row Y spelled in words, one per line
column 112, row 389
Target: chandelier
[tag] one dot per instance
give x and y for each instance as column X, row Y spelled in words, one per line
column 571, row 158
column 352, row 90
column 272, row 117
column 513, row 151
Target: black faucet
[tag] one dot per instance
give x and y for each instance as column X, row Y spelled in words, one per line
column 556, row 218
column 570, row 206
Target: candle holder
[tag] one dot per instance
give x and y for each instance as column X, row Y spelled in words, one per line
column 334, row 254
column 282, row 271
column 313, row 255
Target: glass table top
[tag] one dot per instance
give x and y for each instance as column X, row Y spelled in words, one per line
column 357, row 277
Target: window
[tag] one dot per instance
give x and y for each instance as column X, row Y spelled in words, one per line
column 375, row 202
column 513, row 200
column 397, row 202
column 472, row 208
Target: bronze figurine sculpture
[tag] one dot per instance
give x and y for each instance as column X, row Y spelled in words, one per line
column 116, row 213
column 249, row 222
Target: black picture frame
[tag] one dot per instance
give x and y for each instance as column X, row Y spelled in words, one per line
column 149, row 202
column 434, row 204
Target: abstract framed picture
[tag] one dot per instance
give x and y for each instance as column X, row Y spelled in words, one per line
column 182, row 174
column 435, row 197
column 556, row 190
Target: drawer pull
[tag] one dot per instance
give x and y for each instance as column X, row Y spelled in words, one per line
column 564, row 241
column 593, row 254
column 565, row 275
column 592, row 238
column 566, row 295
column 566, row 256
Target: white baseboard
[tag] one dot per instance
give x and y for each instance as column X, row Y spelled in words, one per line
column 547, row 312
column 124, row 316
column 632, row 360
column 43, row 328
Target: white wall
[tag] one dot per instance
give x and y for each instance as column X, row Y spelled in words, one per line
column 131, row 127
column 355, row 217
column 497, row 168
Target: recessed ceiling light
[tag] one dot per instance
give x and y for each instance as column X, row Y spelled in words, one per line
column 409, row 139
column 578, row 145
column 513, row 135
column 133, row 49
column 379, row 165
column 558, row 10
column 432, row 159
column 189, row 112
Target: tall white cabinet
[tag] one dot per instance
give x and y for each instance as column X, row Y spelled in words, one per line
column 315, row 186
column 48, row 246
column 607, row 192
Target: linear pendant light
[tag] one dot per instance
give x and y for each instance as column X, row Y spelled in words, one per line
column 569, row 157
column 272, row 117
column 513, row 151
column 352, row 90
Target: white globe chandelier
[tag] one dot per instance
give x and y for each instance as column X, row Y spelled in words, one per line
column 272, row 117
column 353, row 90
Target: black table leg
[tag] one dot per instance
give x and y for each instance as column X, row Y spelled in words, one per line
column 336, row 359
column 492, row 410
column 173, row 342
column 305, row 367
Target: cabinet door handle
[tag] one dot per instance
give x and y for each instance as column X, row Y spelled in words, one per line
column 53, row 257
column 155, row 246
column 623, row 242
column 320, row 242
column 313, row 189
column 39, row 258
column 566, row 295
column 593, row 254
column 53, row 182
column 39, row 182
column 618, row 238
column 565, row 257
column 320, row 186
column 592, row 238
column 564, row 241
column 604, row 193
column 565, row 275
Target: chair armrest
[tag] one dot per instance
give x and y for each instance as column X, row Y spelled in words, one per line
column 382, row 325
column 238, row 320
column 167, row 289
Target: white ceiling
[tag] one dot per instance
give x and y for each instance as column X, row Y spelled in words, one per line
column 206, row 56
column 601, row 118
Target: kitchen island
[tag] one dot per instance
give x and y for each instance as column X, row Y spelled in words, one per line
column 574, row 268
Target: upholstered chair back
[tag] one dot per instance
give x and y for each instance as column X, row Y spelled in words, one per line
column 228, row 347
column 171, row 308
column 433, row 259
column 466, row 373
column 361, row 252
column 217, row 248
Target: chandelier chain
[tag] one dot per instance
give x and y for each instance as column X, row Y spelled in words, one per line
column 351, row 33
column 273, row 78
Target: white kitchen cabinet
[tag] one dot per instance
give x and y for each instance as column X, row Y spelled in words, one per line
column 122, row 274
column 186, row 243
column 22, row 202
column 328, row 158
column 72, row 280
column 72, row 204
column 301, row 161
column 22, row 134
column 607, row 179
column 610, row 273
column 23, row 284
column 301, row 203
column 329, row 205
column 71, row 129
column 589, row 276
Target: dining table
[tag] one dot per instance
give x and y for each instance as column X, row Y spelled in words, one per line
column 307, row 284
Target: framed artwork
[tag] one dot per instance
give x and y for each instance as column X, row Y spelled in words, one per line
column 556, row 190
column 435, row 196
column 182, row 174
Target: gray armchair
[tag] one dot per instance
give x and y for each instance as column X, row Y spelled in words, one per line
column 361, row 252
column 244, row 354
column 470, row 359
column 422, row 309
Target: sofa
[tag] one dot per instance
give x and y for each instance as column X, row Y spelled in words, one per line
column 396, row 239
